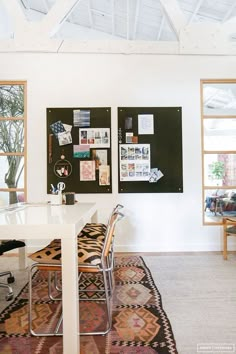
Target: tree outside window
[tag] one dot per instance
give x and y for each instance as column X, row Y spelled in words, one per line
column 12, row 139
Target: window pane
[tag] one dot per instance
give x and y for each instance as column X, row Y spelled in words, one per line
column 219, row 134
column 11, row 100
column 219, row 99
column 11, row 171
column 220, row 170
column 219, row 203
column 12, row 136
column 7, row 198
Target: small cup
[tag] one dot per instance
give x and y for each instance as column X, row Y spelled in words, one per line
column 70, row 198
column 56, row 199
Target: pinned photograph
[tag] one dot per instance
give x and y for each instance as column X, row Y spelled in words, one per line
column 81, row 118
column 129, row 137
column 83, row 137
column 95, row 137
column 104, row 175
column 87, row 171
column 100, row 157
column 123, row 152
column 64, row 138
column 81, row 151
column 128, row 123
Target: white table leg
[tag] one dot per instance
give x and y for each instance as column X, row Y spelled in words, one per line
column 70, row 296
column 22, row 257
column 94, row 217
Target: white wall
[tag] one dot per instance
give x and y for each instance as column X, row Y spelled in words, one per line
column 155, row 222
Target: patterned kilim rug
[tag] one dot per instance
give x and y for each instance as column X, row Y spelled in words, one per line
column 140, row 324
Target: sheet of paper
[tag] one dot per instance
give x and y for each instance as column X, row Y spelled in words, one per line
column 145, row 124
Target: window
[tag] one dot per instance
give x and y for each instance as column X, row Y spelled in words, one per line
column 13, row 118
column 218, row 112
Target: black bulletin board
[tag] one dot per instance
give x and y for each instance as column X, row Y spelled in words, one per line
column 69, row 167
column 164, row 150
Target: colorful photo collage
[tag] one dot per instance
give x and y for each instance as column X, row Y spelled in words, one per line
column 92, row 145
column 135, row 157
column 134, row 162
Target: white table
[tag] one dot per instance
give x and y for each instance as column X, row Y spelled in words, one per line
column 42, row 221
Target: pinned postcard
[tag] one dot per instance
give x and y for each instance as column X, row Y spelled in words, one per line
column 57, row 127
column 87, row 171
column 155, row 175
column 145, row 124
column 128, row 138
column 67, row 127
column 81, row 118
column 104, row 175
column 81, row 151
column 100, row 157
column 64, row 138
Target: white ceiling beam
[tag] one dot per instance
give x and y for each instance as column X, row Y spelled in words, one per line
column 119, row 47
column 197, row 7
column 204, row 38
column 90, row 14
column 127, row 20
column 160, row 28
column 112, row 17
column 25, row 3
column 137, row 10
column 15, row 12
column 174, row 14
column 229, row 27
column 229, row 12
column 57, row 15
column 46, row 5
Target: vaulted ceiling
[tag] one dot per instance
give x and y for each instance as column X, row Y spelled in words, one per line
column 119, row 26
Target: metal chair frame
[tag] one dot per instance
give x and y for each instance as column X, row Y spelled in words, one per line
column 105, row 268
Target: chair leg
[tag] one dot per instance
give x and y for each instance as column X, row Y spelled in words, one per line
column 30, row 315
column 53, row 279
column 10, row 294
column 107, row 300
column 225, row 247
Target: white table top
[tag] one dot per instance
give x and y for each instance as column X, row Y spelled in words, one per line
column 45, row 220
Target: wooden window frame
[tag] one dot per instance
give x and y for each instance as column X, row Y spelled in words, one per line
column 24, row 154
column 219, row 220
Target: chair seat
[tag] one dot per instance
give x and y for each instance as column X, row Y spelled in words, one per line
column 93, row 231
column 10, row 245
column 89, row 252
column 231, row 230
column 94, row 256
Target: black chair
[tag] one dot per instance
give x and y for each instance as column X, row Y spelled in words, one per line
column 4, row 247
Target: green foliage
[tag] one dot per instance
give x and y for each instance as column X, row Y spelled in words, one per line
column 12, row 133
column 218, row 170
